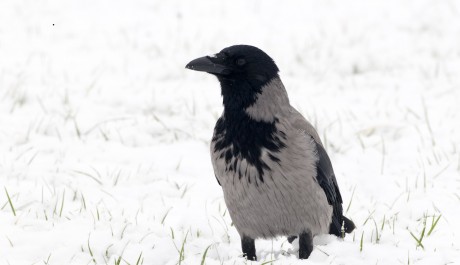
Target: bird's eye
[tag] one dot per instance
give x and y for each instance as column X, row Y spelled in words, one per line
column 240, row 61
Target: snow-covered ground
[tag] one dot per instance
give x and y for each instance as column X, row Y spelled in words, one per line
column 104, row 136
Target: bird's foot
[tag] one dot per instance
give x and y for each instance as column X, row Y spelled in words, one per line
column 249, row 248
column 305, row 245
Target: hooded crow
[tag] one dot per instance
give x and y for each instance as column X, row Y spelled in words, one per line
column 276, row 176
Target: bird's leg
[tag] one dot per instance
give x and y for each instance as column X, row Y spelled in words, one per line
column 249, row 248
column 305, row 245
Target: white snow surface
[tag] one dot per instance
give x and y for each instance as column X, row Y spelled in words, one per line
column 104, row 135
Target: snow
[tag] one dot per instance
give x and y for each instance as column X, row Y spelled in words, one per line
column 104, row 136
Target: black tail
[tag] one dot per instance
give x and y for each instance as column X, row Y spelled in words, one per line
column 348, row 225
column 336, row 226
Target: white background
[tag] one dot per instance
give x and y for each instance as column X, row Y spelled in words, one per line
column 104, row 135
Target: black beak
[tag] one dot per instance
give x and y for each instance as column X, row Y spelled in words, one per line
column 204, row 64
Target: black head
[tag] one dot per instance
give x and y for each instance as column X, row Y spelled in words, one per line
column 242, row 71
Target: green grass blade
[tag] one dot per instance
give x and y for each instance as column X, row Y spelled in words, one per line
column 203, row 259
column 139, row 259
column 419, row 241
column 10, row 202
column 182, row 250
column 433, row 225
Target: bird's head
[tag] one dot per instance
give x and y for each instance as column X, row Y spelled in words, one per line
column 242, row 71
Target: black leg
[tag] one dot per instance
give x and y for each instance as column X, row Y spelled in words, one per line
column 305, row 245
column 249, row 248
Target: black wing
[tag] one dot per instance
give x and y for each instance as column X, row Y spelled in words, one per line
column 326, row 179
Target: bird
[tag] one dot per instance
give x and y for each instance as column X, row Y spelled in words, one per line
column 276, row 176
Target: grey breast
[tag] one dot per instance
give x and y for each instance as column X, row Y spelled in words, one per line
column 289, row 200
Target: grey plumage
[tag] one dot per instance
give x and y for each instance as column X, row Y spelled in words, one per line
column 290, row 199
column 274, row 171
